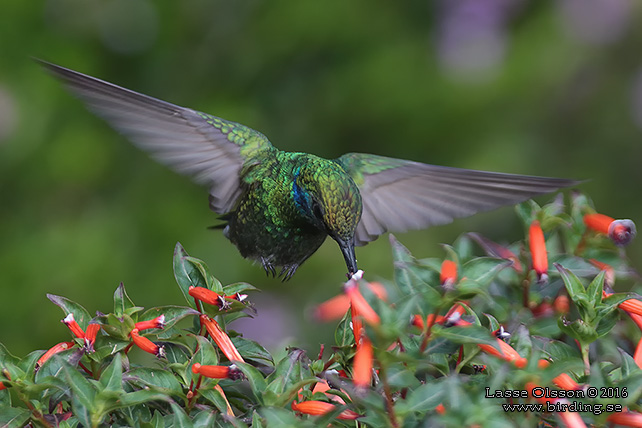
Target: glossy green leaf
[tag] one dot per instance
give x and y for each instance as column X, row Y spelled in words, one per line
column 111, row 378
column 81, row 315
column 251, row 350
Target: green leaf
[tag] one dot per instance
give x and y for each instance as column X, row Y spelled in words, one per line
column 122, row 302
column 13, row 417
column 112, row 377
column 492, row 321
column 214, row 397
column 140, row 397
column 181, row 420
column 527, row 211
column 187, row 275
column 54, row 365
column 289, row 371
column 579, row 330
column 205, row 419
column 255, row 379
column 238, row 287
column 483, row 270
column 594, row 290
column 251, row 350
column 573, row 285
column 423, row 399
column 158, row 380
column 81, row 315
column 173, row 314
column 276, row 417
column 84, row 393
column 468, row 334
column 343, row 335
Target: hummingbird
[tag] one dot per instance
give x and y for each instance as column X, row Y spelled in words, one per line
column 278, row 207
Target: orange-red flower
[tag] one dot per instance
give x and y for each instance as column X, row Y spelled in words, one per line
column 418, row 321
column 332, row 309
column 609, row 276
column 362, row 370
column 62, row 346
column 561, row 304
column 207, row 296
column 146, row 345
column 90, row 336
column 538, row 251
column 359, row 303
column 378, row 289
column 71, row 323
column 314, row 407
column 217, row 372
column 448, row 273
column 506, row 352
column 2, row 386
column 221, row 338
column 633, row 306
column 628, row 419
column 620, row 232
column 158, row 322
column 440, row 409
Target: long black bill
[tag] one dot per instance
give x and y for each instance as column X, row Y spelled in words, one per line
column 347, row 248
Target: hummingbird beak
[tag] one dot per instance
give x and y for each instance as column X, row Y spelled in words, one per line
column 347, row 248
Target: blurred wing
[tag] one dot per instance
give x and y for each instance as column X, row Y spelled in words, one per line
column 207, row 148
column 400, row 195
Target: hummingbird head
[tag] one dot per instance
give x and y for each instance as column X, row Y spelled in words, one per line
column 331, row 201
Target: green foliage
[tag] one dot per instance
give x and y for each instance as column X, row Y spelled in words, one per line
column 438, row 356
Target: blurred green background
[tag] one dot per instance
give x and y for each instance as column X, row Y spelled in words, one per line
column 530, row 87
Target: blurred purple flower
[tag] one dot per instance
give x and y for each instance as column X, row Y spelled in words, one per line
column 596, row 22
column 471, row 36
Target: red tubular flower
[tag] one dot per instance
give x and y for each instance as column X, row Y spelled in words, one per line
column 62, row 346
column 2, row 386
column 158, row 322
column 323, row 386
column 627, row 419
column 609, row 277
column 217, row 372
column 207, row 296
column 598, row 222
column 561, row 304
column 229, row 411
column 90, row 336
column 71, row 323
column 440, row 409
column 632, row 306
column 332, row 309
column 506, row 352
column 362, row 371
column 221, row 338
column 314, row 407
column 538, row 251
column 621, row 232
column 448, row 273
column 146, row 345
column 378, row 289
column 418, row 321
column 360, row 304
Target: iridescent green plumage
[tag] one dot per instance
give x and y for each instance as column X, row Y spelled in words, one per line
column 279, row 206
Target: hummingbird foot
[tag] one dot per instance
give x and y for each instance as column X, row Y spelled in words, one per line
column 287, row 271
column 269, row 267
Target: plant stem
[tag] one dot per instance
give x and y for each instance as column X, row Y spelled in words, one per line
column 585, row 358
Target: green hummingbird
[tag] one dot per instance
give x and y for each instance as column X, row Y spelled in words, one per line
column 278, row 207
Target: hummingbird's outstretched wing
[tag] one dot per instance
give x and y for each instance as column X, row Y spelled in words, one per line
column 400, row 195
column 207, row 148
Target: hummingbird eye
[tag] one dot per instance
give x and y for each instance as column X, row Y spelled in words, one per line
column 316, row 209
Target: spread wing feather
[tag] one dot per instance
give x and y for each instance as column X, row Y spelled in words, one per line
column 400, row 195
column 211, row 150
